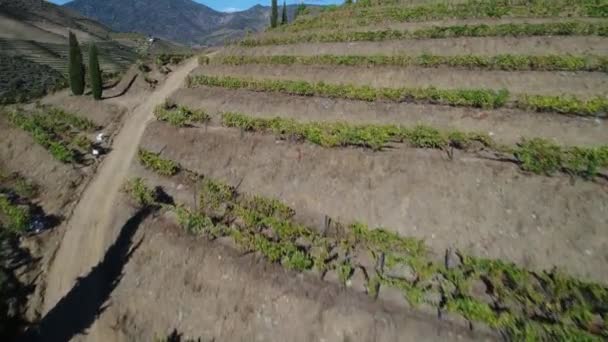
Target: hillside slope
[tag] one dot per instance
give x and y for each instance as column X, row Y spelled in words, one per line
column 183, row 21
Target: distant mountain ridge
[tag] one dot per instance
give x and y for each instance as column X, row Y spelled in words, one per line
column 183, row 21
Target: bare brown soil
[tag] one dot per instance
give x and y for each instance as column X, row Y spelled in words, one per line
column 208, row 290
column 486, row 208
column 449, row 46
column 582, row 84
column 505, row 125
column 89, row 227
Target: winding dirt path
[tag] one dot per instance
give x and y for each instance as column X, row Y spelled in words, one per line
column 84, row 242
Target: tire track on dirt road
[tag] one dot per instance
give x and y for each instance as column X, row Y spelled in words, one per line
column 85, row 239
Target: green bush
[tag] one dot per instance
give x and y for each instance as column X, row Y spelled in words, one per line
column 480, row 98
column 535, row 155
column 499, row 62
column 362, row 14
column 140, row 192
column 18, row 217
column 479, row 30
column 536, row 298
column 76, row 68
column 468, row 97
column 179, row 116
column 95, row 73
column 154, row 162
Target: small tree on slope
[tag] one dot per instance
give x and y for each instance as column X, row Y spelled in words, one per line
column 284, row 14
column 274, row 15
column 76, row 68
column 95, row 73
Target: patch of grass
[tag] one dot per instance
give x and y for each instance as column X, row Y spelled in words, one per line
column 17, row 184
column 480, row 30
column 482, row 98
column 17, row 216
column 154, row 162
column 179, row 116
column 479, row 98
column 507, row 62
column 527, row 305
column 535, row 155
column 174, row 59
column 353, row 16
column 140, row 192
column 44, row 136
column 597, row 106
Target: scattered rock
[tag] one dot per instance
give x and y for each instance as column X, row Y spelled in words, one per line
column 393, row 296
column 432, row 297
column 269, row 234
column 479, row 290
column 358, row 280
column 303, row 242
column 452, row 258
column 401, row 271
column 364, row 258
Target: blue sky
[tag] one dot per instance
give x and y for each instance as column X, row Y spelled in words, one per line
column 239, row 5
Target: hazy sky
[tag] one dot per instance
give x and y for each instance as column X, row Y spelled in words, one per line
column 236, row 5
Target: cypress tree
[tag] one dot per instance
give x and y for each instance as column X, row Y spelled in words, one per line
column 76, row 68
column 94, row 72
column 284, row 15
column 274, row 15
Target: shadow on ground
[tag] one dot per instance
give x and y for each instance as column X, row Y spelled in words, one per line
column 80, row 307
column 124, row 91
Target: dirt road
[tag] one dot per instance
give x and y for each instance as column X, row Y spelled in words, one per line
column 85, row 239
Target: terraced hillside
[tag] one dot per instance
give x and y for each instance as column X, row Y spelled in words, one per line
column 381, row 170
column 113, row 57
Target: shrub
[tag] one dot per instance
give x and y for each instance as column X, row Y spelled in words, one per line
column 76, row 68
column 140, row 192
column 506, row 62
column 154, row 162
column 18, row 217
column 179, row 116
column 95, row 73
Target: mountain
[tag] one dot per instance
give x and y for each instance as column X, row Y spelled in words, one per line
column 183, row 21
column 34, row 47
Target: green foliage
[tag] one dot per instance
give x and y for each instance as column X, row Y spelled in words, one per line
column 140, row 192
column 274, row 14
column 542, row 156
column 203, row 60
column 75, row 68
column 18, row 217
column 15, row 183
column 95, row 73
column 171, row 58
column 597, row 106
column 284, row 14
column 301, row 10
column 345, row 271
column 571, row 28
column 179, row 116
column 505, row 62
column 482, row 98
column 154, row 162
column 193, row 222
column 46, row 133
column 365, row 14
column 535, row 155
column 527, row 305
column 24, row 80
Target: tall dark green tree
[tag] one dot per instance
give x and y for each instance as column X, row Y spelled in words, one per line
column 274, row 14
column 95, row 72
column 284, row 14
column 76, row 68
